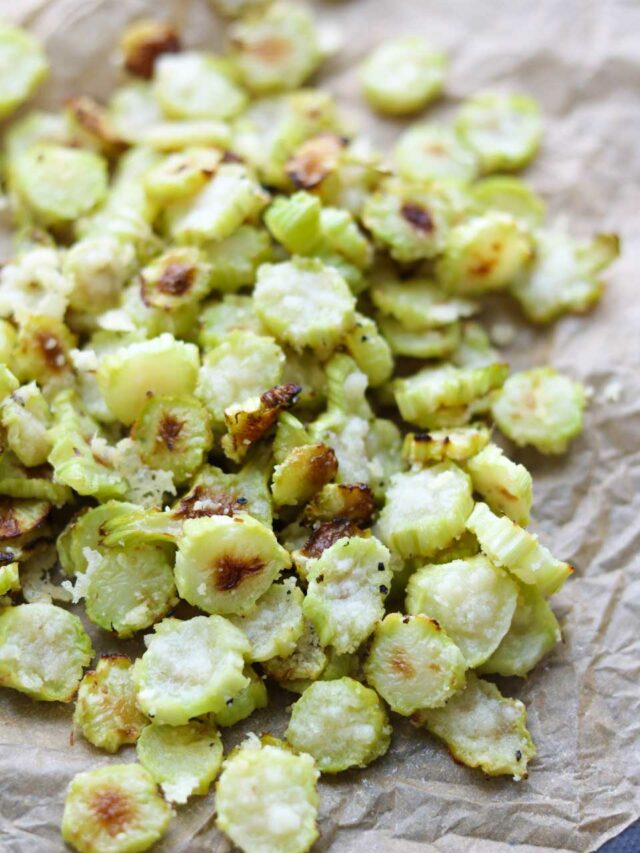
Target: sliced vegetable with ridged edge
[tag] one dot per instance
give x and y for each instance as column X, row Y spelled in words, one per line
column 115, row 809
column 483, row 729
column 183, row 760
column 191, row 667
column 506, row 486
column 456, row 444
column 413, row 663
column 266, row 798
column 106, row 711
column 225, row 564
column 340, row 723
column 540, row 407
column 425, row 510
column 471, row 599
column 275, row 623
column 43, row 650
column 519, row 551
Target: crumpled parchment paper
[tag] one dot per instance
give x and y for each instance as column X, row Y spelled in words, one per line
column 581, row 60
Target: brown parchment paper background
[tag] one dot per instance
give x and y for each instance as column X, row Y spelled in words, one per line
column 581, row 60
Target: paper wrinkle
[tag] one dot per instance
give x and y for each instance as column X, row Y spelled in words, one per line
column 580, row 59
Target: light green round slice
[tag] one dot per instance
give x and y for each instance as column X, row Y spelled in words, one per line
column 60, row 184
column 194, row 85
column 425, row 510
column 86, row 530
column 402, row 75
column 503, row 129
column 43, row 650
column 420, row 304
column 225, row 564
column 533, row 633
column 471, row 599
column 304, row 303
column 540, row 407
column 340, row 723
column 183, row 760
column 413, row 663
column 266, row 799
column 483, row 729
column 191, row 667
column 275, row 623
column 128, row 589
column 174, row 434
column 23, row 66
column 106, row 710
column 509, row 195
column 163, row 365
column 427, row 152
column 114, row 809
column 347, row 586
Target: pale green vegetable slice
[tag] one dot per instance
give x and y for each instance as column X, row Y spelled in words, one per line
column 304, row 303
column 411, row 220
column 346, row 590
column 16, row 481
column 225, row 564
column 340, row 723
column 266, row 799
column 294, row 221
column 25, row 416
column 341, row 234
column 474, row 349
column 509, row 195
column 306, row 663
column 434, row 390
column 504, row 130
column 419, row 304
column 234, row 313
column 98, row 268
column 190, row 668
column 275, row 623
column 114, row 809
column 163, row 365
column 519, row 551
column 413, row 663
column 456, row 444
column 506, row 486
column 60, row 184
column 565, row 276
column 424, row 343
column 485, row 253
column 228, row 199
column 43, row 650
column 127, row 589
column 471, row 599
column 23, row 66
column 43, row 353
column 182, row 174
column 483, row 729
column 87, row 530
column 427, row 152
column 106, row 711
column 533, row 633
column 242, row 365
column 244, row 703
column 195, row 85
column 402, row 75
column 183, row 760
column 235, row 260
column 176, row 278
column 540, row 407
column 425, row 510
column 276, row 49
column 369, row 350
column 174, row 434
